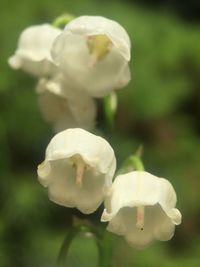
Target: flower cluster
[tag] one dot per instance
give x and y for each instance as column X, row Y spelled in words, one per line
column 78, row 170
column 88, row 58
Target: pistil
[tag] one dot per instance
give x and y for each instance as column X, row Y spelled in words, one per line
column 140, row 217
column 80, row 169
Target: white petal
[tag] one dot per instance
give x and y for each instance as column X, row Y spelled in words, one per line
column 124, row 77
column 99, row 162
column 43, row 171
column 94, row 150
column 167, row 194
column 124, row 223
column 75, row 110
column 33, row 52
column 35, row 42
column 71, row 54
column 164, row 227
column 94, row 25
column 134, row 189
column 83, row 108
column 53, row 85
column 15, row 62
column 62, row 189
column 167, row 200
column 175, row 216
column 91, row 195
column 158, row 199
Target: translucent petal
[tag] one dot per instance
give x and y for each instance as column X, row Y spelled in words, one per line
column 126, row 225
column 134, row 189
column 91, row 194
column 33, row 52
column 71, row 54
column 44, row 170
column 62, row 154
column 64, row 112
column 94, row 150
column 64, row 191
column 164, row 227
column 94, row 25
column 156, row 196
column 124, row 77
column 175, row 216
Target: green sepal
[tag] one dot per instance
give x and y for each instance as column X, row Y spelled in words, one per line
column 62, row 20
column 133, row 163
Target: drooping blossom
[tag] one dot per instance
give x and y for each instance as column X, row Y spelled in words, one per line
column 78, row 169
column 64, row 106
column 33, row 52
column 94, row 52
column 141, row 207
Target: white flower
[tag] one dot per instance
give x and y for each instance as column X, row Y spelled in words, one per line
column 33, row 52
column 141, row 207
column 64, row 106
column 94, row 52
column 78, row 169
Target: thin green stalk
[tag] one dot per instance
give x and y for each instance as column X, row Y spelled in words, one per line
column 105, row 251
column 136, row 163
column 132, row 163
column 62, row 256
column 62, row 20
column 102, row 239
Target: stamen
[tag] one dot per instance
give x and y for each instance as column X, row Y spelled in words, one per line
column 80, row 169
column 99, row 46
column 140, row 217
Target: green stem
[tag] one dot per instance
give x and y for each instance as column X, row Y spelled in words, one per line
column 62, row 20
column 105, row 250
column 103, row 242
column 62, row 256
column 132, row 163
column 136, row 163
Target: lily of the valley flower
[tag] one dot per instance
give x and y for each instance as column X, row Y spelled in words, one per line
column 64, row 106
column 33, row 52
column 94, row 52
column 78, row 169
column 141, row 207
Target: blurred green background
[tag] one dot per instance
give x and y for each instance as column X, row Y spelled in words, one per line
column 159, row 109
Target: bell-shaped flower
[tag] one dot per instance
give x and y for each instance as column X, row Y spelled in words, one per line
column 94, row 52
column 78, row 169
column 33, row 51
column 141, row 207
column 64, row 106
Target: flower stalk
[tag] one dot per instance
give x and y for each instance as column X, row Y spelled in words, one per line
column 103, row 241
column 62, row 20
